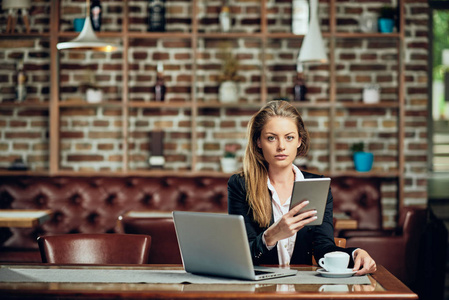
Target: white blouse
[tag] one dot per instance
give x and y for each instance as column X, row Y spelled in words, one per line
column 285, row 246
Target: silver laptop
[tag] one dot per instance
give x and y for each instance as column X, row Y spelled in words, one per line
column 217, row 245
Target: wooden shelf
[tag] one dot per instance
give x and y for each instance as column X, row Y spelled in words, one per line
column 228, row 105
column 31, row 35
column 358, row 35
column 265, row 48
column 84, row 103
column 159, row 35
column 102, row 34
column 159, row 104
column 286, row 35
column 144, row 173
column 24, row 173
column 230, row 35
column 42, row 105
column 354, row 173
column 161, row 172
column 367, row 106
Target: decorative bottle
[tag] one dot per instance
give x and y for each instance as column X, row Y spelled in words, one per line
column 225, row 18
column 156, row 15
column 300, row 89
column 95, row 15
column 159, row 87
column 300, row 16
column 21, row 80
column 157, row 159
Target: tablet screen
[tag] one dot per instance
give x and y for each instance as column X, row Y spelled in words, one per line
column 315, row 190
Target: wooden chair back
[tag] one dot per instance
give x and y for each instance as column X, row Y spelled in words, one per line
column 104, row 248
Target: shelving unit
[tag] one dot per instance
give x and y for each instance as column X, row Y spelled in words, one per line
column 195, row 96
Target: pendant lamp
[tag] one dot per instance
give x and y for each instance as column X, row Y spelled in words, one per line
column 312, row 49
column 87, row 40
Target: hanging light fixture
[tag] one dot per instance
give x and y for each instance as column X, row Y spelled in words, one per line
column 87, row 40
column 312, row 49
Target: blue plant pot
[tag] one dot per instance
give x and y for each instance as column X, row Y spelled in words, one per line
column 363, row 161
column 385, row 25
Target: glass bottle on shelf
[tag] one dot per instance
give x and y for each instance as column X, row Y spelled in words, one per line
column 95, row 15
column 156, row 15
column 225, row 18
column 300, row 89
column 21, row 80
column 300, row 16
column 159, row 87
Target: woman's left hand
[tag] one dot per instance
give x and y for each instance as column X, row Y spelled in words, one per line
column 363, row 263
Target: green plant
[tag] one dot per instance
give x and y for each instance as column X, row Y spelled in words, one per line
column 230, row 151
column 387, row 12
column 358, row 147
column 230, row 65
column 88, row 81
column 284, row 98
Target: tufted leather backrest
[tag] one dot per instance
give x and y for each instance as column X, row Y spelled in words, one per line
column 360, row 198
column 95, row 248
column 93, row 204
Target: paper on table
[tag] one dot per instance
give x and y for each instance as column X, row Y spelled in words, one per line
column 156, row 276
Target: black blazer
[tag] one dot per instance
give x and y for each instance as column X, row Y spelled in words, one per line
column 316, row 240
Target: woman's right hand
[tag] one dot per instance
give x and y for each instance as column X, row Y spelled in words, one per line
column 289, row 224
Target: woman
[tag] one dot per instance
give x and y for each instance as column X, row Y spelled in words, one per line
column 261, row 194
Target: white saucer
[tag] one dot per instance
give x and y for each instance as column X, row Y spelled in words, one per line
column 347, row 273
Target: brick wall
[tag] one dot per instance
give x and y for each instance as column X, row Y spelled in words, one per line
column 91, row 137
column 24, row 131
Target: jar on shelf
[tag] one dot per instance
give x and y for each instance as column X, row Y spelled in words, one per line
column 228, row 92
column 371, row 94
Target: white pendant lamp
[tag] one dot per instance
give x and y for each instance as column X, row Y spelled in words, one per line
column 312, row 49
column 87, row 40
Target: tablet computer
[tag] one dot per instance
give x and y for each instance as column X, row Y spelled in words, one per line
column 315, row 190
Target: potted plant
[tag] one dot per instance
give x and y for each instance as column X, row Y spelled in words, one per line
column 363, row 161
column 229, row 160
column 93, row 93
column 386, row 20
column 228, row 91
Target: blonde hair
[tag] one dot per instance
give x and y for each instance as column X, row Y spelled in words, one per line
column 255, row 167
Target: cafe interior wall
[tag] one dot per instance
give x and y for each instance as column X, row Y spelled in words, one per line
column 91, row 136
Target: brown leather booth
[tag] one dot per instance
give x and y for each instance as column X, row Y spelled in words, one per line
column 360, row 200
column 93, row 205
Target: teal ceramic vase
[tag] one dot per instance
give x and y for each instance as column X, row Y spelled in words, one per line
column 363, row 161
column 385, row 25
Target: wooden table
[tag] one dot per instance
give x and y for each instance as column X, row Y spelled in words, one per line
column 343, row 221
column 23, row 217
column 383, row 286
column 346, row 224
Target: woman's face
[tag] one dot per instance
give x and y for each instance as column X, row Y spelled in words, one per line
column 279, row 142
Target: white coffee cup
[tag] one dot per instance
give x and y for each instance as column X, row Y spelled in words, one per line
column 334, row 288
column 335, row 261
